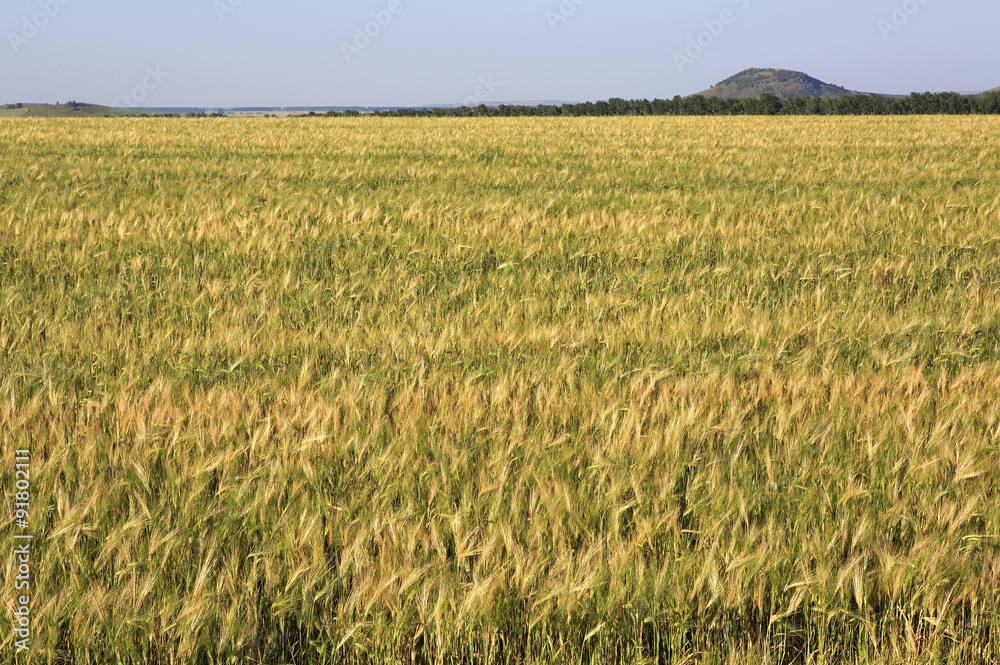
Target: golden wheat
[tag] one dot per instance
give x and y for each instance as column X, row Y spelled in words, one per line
column 505, row 391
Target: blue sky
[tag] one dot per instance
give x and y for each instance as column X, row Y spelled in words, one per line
column 223, row 53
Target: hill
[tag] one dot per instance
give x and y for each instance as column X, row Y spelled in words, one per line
column 68, row 110
column 783, row 83
column 13, row 110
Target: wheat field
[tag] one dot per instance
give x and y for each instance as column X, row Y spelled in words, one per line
column 486, row 391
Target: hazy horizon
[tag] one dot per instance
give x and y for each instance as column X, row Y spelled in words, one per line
column 244, row 53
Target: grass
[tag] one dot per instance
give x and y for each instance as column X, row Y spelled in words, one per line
column 70, row 111
column 505, row 391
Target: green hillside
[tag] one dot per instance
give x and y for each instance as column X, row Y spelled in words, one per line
column 12, row 111
column 68, row 110
column 783, row 83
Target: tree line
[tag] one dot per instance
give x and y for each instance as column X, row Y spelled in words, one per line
column 947, row 103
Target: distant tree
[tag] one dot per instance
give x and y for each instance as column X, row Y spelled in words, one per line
column 695, row 105
column 717, row 106
column 765, row 104
column 795, row 106
column 618, row 106
column 770, row 104
column 989, row 103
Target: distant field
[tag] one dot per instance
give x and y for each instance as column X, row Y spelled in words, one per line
column 688, row 390
column 70, row 111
